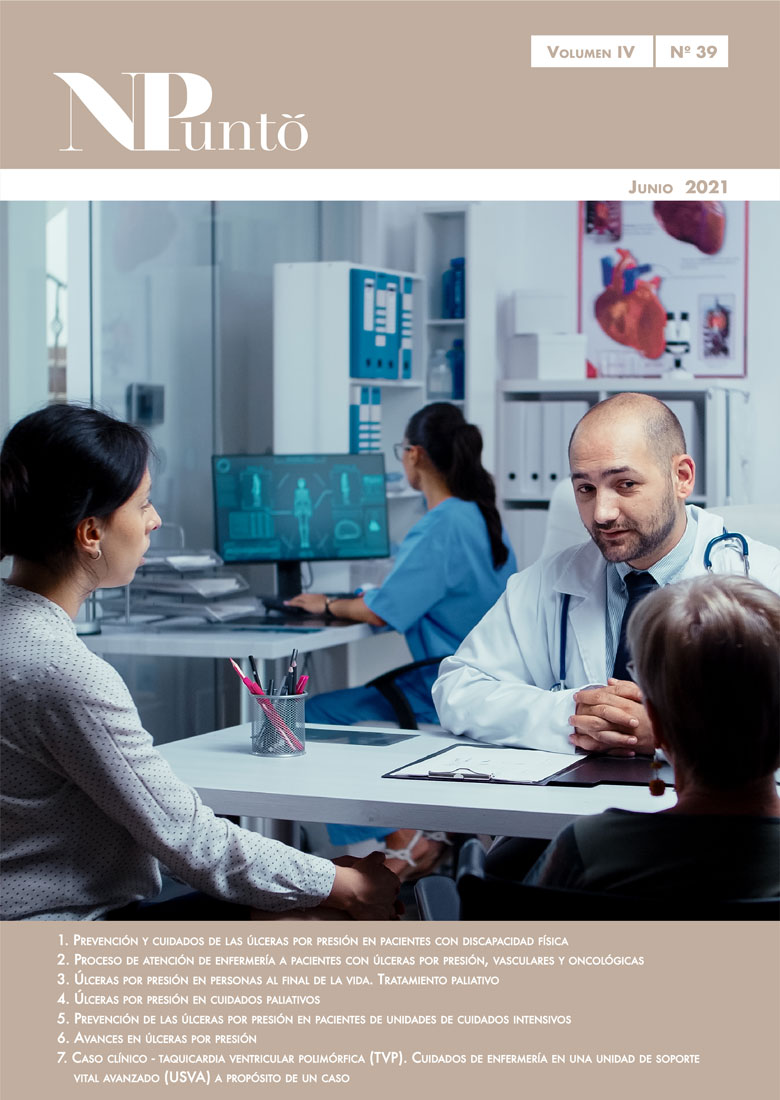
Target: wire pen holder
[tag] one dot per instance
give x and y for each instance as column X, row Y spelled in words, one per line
column 279, row 729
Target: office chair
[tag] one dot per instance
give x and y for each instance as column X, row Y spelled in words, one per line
column 387, row 686
column 564, row 526
column 474, row 895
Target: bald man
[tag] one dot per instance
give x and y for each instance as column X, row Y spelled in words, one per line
column 507, row 683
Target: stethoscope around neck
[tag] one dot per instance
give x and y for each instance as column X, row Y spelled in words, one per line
column 726, row 536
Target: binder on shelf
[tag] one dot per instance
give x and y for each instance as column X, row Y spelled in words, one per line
column 521, row 465
column 375, row 420
column 359, row 419
column 378, row 316
column 406, row 328
column 559, row 418
column 571, row 414
column 386, row 326
column 365, row 419
column 363, row 308
column 531, row 458
column 392, row 328
column 354, row 419
column 553, row 455
column 535, row 446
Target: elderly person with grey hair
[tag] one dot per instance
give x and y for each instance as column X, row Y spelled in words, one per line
column 706, row 656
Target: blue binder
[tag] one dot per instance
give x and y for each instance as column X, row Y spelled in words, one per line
column 362, row 344
column 406, row 328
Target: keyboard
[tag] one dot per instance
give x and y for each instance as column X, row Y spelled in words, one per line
column 276, row 603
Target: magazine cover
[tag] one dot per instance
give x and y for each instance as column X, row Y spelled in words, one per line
column 363, row 364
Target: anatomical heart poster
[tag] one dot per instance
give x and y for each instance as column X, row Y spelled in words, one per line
column 663, row 288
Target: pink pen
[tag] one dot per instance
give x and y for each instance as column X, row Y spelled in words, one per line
column 253, row 687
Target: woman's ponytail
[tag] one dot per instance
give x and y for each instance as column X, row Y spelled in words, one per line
column 455, row 448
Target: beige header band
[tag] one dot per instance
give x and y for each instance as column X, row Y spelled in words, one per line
column 430, row 84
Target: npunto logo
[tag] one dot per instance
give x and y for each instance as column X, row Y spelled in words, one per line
column 155, row 128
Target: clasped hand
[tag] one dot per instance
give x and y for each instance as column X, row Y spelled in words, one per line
column 363, row 889
column 611, row 719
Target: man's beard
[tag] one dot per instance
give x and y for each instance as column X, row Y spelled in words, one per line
column 641, row 542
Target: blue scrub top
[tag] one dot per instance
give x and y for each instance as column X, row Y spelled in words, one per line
column 442, row 583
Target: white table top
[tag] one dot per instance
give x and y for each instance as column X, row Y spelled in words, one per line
column 342, row 783
column 219, row 641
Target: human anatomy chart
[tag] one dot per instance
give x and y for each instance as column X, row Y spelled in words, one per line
column 662, row 288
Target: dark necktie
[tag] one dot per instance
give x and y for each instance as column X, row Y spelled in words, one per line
column 638, row 586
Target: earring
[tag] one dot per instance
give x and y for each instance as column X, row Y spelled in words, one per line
column 657, row 785
column 97, row 555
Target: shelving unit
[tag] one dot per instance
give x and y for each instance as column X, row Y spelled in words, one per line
column 312, row 342
column 312, row 363
column 442, row 233
column 312, row 374
column 533, row 449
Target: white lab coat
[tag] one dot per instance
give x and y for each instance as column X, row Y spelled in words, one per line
column 496, row 687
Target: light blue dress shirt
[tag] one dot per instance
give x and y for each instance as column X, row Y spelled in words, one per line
column 665, row 571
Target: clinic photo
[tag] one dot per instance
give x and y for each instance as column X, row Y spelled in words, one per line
column 387, row 561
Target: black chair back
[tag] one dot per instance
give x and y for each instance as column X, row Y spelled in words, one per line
column 478, row 896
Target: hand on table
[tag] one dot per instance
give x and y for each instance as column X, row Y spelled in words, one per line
column 313, row 602
column 343, row 607
column 611, row 719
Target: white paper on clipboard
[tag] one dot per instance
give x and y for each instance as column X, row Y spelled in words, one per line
column 470, row 763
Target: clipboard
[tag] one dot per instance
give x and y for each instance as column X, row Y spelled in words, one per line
column 596, row 768
column 578, row 771
column 476, row 763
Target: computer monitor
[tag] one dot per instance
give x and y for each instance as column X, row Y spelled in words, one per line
column 287, row 509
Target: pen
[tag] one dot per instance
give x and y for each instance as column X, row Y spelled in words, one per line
column 290, row 678
column 255, row 673
column 461, row 773
column 253, row 687
column 300, row 687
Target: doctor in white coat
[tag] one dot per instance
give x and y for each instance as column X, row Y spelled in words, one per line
column 536, row 672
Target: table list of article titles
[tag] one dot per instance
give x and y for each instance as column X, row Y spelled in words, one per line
column 376, row 1007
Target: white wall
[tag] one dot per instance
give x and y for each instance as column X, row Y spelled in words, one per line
column 25, row 382
column 763, row 351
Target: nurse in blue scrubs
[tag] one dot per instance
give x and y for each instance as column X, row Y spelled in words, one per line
column 450, row 569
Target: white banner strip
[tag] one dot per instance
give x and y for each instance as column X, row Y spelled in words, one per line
column 591, row 51
column 435, row 185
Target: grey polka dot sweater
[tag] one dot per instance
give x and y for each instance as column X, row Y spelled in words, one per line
column 89, row 806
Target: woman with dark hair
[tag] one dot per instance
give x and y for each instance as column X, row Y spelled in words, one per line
column 451, row 568
column 89, row 808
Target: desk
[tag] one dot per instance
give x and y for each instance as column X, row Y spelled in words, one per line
column 342, row 782
column 218, row 641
